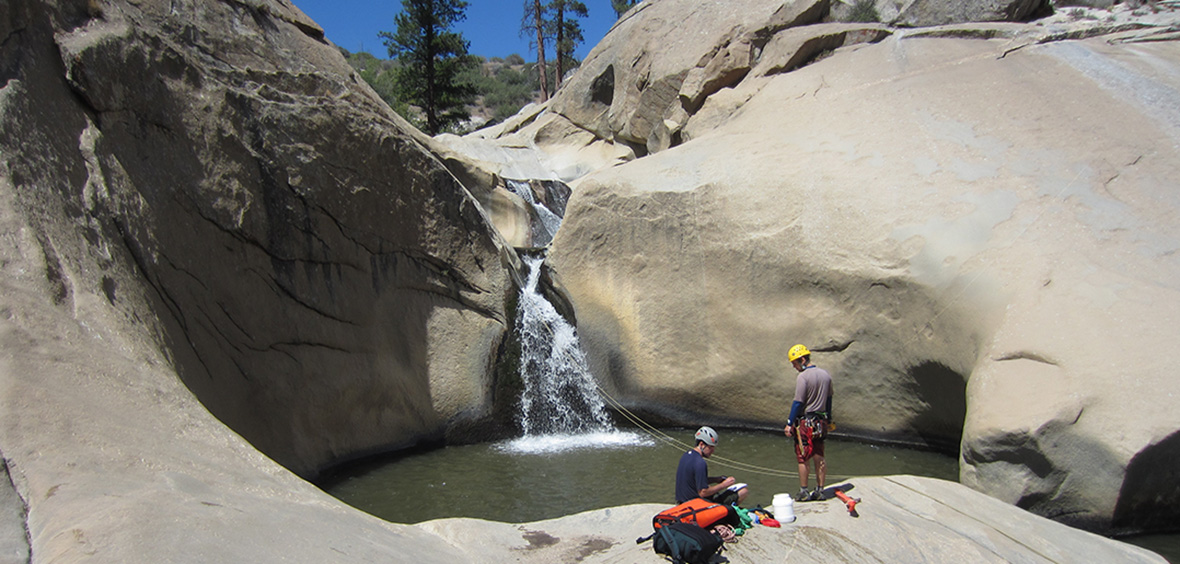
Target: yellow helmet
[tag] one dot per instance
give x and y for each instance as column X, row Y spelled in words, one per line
column 797, row 352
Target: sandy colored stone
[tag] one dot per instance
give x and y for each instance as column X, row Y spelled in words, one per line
column 961, row 241
column 900, row 519
column 224, row 263
column 217, row 177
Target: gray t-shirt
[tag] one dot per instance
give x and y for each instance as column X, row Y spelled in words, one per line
column 813, row 387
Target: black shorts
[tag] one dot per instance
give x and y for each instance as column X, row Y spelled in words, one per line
column 724, row 497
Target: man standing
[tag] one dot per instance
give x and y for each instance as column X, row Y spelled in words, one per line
column 692, row 475
column 810, row 417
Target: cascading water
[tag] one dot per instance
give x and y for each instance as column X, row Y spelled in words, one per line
column 545, row 221
column 560, row 406
column 559, row 392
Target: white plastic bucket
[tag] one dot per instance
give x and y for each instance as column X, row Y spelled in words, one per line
column 784, row 508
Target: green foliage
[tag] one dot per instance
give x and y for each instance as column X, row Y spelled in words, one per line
column 431, row 60
column 504, row 90
column 621, row 6
column 502, row 86
column 379, row 73
column 864, row 11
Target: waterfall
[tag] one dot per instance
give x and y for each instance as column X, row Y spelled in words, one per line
column 560, row 406
column 560, row 396
column 545, row 221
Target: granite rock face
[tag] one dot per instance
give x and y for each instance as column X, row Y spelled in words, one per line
column 212, row 192
column 213, row 230
column 984, row 258
column 224, row 263
column 638, row 88
column 921, row 13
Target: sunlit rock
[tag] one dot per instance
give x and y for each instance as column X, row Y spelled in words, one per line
column 982, row 257
column 214, row 232
column 899, row 519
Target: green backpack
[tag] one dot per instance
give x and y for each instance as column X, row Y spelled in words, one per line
column 684, row 543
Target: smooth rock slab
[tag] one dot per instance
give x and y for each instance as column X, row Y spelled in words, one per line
column 901, row 519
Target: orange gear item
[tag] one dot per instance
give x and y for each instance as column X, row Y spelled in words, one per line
column 700, row 512
column 850, row 502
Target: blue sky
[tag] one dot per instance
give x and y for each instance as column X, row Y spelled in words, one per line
column 492, row 26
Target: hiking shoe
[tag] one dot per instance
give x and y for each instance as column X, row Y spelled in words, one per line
column 803, row 495
column 817, row 495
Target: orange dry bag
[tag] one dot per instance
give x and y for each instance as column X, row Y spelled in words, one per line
column 700, row 512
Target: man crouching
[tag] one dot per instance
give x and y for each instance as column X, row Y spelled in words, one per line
column 692, row 475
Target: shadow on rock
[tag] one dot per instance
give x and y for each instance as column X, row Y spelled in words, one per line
column 944, row 391
column 1150, row 494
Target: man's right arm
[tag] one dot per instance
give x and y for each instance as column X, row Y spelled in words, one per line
column 717, row 488
column 796, row 413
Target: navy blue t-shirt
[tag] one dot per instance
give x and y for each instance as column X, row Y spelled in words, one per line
column 692, row 476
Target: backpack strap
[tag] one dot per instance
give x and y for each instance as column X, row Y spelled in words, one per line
column 673, row 542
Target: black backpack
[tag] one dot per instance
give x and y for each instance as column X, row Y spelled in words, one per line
column 684, row 543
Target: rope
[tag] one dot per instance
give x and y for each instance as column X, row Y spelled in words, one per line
column 670, row 441
column 720, row 460
column 663, row 437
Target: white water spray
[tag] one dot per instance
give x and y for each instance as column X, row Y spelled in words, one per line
column 545, row 221
column 559, row 392
column 560, row 407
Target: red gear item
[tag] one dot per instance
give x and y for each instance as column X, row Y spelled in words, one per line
column 806, row 445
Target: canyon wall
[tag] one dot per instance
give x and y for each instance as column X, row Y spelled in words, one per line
column 972, row 225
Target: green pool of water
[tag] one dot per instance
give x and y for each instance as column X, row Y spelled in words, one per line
column 1167, row 545
column 514, row 482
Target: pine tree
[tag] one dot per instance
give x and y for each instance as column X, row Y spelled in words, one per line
column 533, row 23
column 567, row 32
column 431, row 58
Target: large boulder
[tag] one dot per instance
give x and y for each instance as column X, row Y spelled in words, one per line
column 635, row 91
column 201, row 197
column 214, row 230
column 629, row 95
column 112, row 459
column 983, row 259
column 662, row 57
column 217, row 176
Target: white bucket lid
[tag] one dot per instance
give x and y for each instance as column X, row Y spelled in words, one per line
column 783, row 499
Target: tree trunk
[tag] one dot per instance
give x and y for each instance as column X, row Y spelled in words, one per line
column 431, row 106
column 559, row 44
column 539, row 20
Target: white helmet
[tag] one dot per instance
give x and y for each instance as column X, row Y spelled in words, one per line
column 708, row 436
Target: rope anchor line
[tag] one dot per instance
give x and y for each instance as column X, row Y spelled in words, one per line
column 664, row 438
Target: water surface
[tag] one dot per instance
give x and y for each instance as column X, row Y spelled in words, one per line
column 541, row 478
column 1166, row 545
